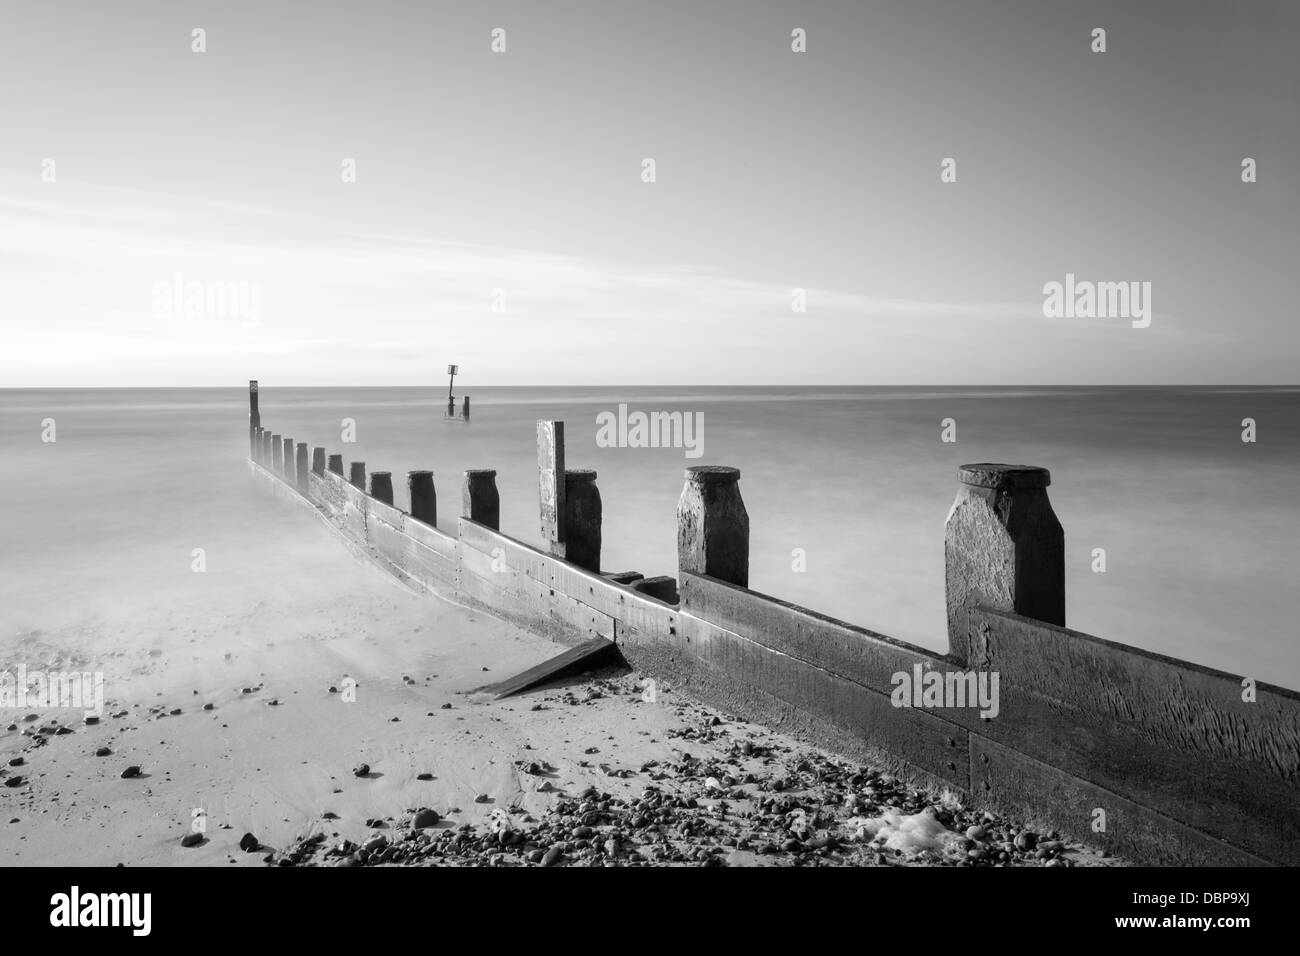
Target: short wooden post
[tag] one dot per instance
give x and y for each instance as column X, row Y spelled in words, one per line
column 582, row 513
column 550, row 467
column 336, row 465
column 277, row 452
column 288, row 458
column 300, row 467
column 424, row 500
column 712, row 525
column 1004, row 549
column 255, row 446
column 479, row 499
column 254, row 419
column 266, row 449
column 381, row 486
column 318, row 461
column 358, row 475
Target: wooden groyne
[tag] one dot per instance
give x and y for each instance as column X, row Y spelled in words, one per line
column 1153, row 758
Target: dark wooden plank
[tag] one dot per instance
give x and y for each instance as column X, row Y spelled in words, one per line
column 596, row 652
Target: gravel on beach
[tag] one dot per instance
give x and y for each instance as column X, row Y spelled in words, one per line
column 735, row 795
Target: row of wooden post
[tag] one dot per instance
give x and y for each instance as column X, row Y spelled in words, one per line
column 479, row 497
column 1003, row 545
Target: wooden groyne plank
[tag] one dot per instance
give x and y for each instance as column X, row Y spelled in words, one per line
column 607, row 597
column 859, row 655
column 597, row 652
column 1047, row 796
column 1171, row 735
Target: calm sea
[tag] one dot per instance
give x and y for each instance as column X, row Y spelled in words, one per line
column 1201, row 531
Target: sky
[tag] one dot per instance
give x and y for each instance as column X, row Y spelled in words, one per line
column 499, row 217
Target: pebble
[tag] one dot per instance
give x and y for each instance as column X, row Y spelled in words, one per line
column 192, row 839
column 131, row 771
column 362, row 770
column 249, row 843
column 424, row 776
column 103, row 752
column 425, row 818
column 14, row 782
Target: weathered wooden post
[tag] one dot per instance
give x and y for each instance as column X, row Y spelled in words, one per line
column 254, row 419
column 464, row 408
column 288, row 458
column 550, row 467
column 255, row 451
column 318, row 461
column 358, row 475
column 336, row 465
column 582, row 513
column 712, row 525
column 1004, row 549
column 381, row 486
column 300, row 467
column 479, row 499
column 277, row 452
column 266, row 448
column 424, row 500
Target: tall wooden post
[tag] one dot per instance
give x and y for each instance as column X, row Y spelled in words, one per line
column 424, row 500
column 1004, row 549
column 713, row 525
column 381, row 486
column 582, row 517
column 550, row 468
column 254, row 419
column 479, row 499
